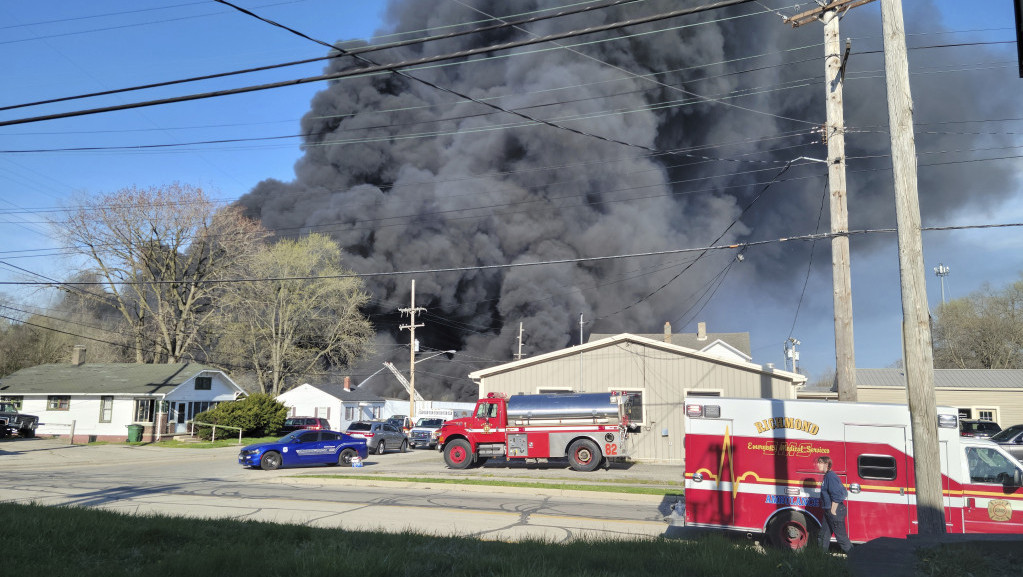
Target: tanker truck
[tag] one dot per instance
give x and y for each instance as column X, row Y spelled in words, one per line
column 585, row 428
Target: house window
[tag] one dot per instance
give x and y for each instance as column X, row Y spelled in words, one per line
column 58, row 402
column 17, row 400
column 204, row 383
column 322, row 412
column 987, row 414
column 876, row 467
column 965, row 413
column 144, row 410
column 375, row 412
column 350, row 413
column 106, row 409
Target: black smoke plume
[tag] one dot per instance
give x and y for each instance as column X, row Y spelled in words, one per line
column 409, row 177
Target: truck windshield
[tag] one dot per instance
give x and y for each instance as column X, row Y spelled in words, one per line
column 430, row 422
column 989, row 466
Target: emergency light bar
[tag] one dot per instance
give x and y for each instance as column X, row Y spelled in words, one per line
column 701, row 411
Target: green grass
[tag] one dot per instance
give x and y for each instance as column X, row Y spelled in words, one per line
column 602, row 487
column 224, row 442
column 74, row 542
column 974, row 559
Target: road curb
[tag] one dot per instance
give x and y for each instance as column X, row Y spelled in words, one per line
column 550, row 491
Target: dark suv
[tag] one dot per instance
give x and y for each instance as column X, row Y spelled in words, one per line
column 296, row 423
column 980, row 429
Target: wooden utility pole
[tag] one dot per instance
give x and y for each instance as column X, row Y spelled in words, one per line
column 834, row 137
column 916, row 330
column 411, row 311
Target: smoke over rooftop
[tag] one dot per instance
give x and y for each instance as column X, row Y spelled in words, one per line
column 410, row 177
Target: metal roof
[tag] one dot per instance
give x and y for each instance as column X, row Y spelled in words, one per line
column 945, row 378
column 691, row 341
column 100, row 379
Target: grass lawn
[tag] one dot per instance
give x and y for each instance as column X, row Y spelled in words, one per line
column 74, row 542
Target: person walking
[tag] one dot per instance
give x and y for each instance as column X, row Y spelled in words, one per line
column 833, row 496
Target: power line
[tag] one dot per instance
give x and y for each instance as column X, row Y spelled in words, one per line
column 393, row 67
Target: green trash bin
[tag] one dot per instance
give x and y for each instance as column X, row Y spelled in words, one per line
column 135, row 433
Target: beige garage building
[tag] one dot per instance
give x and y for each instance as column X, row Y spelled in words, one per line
column 661, row 373
column 991, row 394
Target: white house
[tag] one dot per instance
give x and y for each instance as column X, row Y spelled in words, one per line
column 97, row 402
column 339, row 404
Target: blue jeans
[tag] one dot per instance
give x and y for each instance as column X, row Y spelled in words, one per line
column 835, row 524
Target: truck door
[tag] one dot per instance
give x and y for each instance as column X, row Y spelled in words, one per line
column 878, row 474
column 490, row 419
column 709, row 464
column 993, row 504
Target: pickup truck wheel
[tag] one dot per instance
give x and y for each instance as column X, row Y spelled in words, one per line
column 458, row 454
column 344, row 458
column 584, row 455
column 791, row 530
column 270, row 461
column 27, row 433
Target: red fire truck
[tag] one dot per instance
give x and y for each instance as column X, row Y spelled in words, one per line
column 587, row 428
column 750, row 467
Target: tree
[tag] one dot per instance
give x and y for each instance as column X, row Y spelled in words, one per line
column 159, row 252
column 981, row 331
column 302, row 315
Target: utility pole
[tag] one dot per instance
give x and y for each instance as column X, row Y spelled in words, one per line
column 834, row 137
column 916, row 328
column 580, row 329
column 411, row 311
column 942, row 271
column 792, row 353
column 518, row 356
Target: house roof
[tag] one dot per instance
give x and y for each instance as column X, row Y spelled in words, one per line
column 740, row 341
column 355, row 395
column 100, row 379
column 945, row 378
column 638, row 339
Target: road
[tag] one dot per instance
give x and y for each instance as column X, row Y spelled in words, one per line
column 209, row 483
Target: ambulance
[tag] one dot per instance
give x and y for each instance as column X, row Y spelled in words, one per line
column 750, row 466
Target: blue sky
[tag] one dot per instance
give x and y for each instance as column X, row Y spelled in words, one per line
column 62, row 47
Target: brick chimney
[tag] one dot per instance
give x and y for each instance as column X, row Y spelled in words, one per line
column 667, row 332
column 348, row 384
column 78, row 355
column 701, row 331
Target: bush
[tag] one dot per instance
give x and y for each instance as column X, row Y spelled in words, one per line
column 258, row 415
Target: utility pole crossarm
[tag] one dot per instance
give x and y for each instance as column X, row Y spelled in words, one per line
column 811, row 15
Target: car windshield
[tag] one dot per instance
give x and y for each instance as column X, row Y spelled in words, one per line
column 430, row 422
column 1007, row 434
column 360, row 427
column 293, row 422
column 290, row 437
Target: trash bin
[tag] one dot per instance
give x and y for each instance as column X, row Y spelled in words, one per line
column 135, row 433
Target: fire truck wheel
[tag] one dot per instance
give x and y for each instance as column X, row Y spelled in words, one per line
column 791, row 530
column 584, row 455
column 458, row 454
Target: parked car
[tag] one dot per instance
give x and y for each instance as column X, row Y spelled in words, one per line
column 424, row 434
column 304, row 447
column 299, row 423
column 1011, row 439
column 980, row 429
column 402, row 422
column 379, row 436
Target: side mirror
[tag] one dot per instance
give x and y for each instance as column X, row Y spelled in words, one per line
column 1017, row 478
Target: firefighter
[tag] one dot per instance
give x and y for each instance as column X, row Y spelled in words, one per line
column 833, row 496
